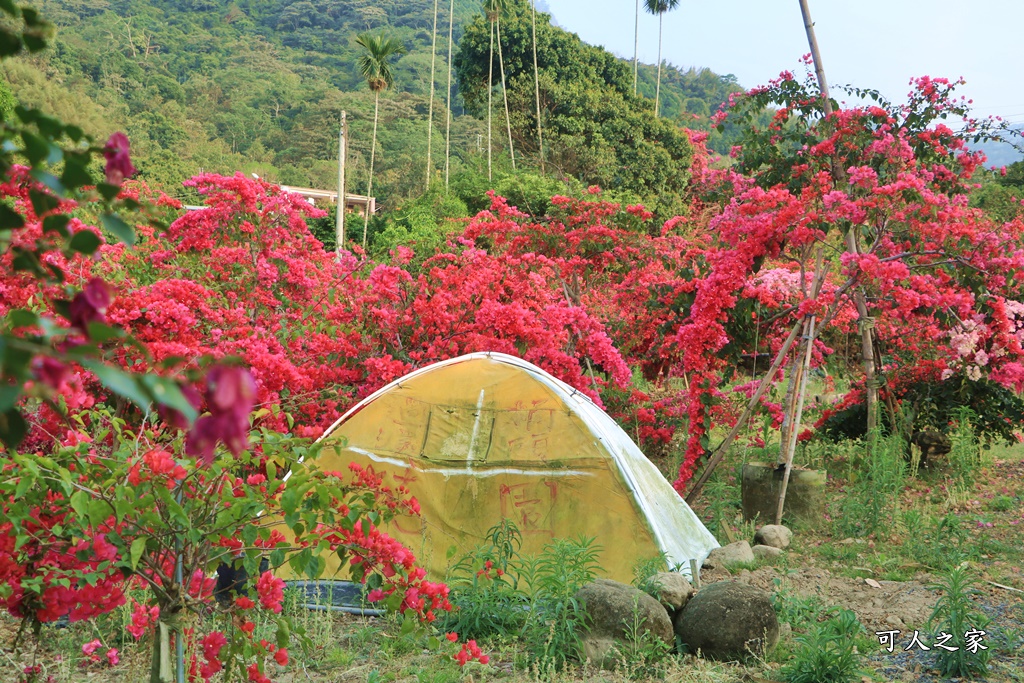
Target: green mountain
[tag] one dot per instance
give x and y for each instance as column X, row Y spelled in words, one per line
column 257, row 86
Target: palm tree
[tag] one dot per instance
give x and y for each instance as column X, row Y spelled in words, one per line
column 375, row 67
column 659, row 7
column 430, row 114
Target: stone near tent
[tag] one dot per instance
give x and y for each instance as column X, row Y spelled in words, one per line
column 734, row 553
column 762, row 484
column 612, row 609
column 931, row 443
column 728, row 620
column 775, row 535
column 765, row 552
column 670, row 589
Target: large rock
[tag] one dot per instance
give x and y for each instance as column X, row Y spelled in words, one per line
column 734, row 553
column 670, row 589
column 765, row 552
column 775, row 535
column 613, row 609
column 728, row 620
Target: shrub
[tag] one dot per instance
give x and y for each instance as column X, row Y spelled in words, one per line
column 956, row 615
column 827, row 652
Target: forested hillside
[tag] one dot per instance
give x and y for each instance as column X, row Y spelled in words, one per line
column 257, row 86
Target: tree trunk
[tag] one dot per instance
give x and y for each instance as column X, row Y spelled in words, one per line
column 430, row 107
column 852, row 246
column 636, row 44
column 657, row 89
column 490, row 92
column 448, row 100
column 536, row 83
column 504, row 95
column 373, row 152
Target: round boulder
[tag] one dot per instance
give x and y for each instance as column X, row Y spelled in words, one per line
column 670, row 589
column 615, row 612
column 734, row 553
column 728, row 620
column 774, row 535
column 765, row 552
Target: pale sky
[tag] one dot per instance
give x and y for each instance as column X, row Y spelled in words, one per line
column 877, row 44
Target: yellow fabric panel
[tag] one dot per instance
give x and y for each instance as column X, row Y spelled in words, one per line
column 458, row 505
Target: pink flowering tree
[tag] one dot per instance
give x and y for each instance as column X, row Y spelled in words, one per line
column 867, row 208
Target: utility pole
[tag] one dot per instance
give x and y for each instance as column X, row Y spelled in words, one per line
column 339, row 229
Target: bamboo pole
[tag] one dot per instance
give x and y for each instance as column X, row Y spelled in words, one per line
column 504, row 95
column 448, row 115
column 866, row 322
column 430, row 114
column 797, row 414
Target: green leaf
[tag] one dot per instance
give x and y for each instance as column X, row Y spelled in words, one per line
column 10, row 219
column 9, row 394
column 108, row 191
column 10, row 43
column 101, row 332
column 12, row 428
column 167, row 392
column 76, row 173
column 284, row 632
column 80, row 503
column 57, row 223
column 120, row 229
column 119, row 381
column 42, row 202
column 138, row 547
column 49, row 180
column 21, row 317
column 84, row 242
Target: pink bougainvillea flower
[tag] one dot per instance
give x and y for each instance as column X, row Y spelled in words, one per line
column 50, row 371
column 230, row 396
column 90, row 305
column 119, row 163
column 271, row 591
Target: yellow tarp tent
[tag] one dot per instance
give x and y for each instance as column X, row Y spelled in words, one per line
column 488, row 436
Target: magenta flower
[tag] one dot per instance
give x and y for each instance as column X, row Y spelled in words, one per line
column 119, row 164
column 50, row 371
column 230, row 396
column 90, row 305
